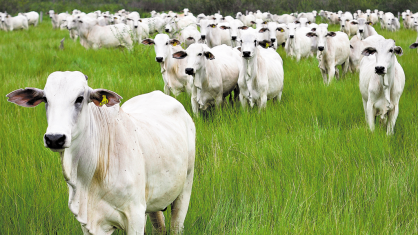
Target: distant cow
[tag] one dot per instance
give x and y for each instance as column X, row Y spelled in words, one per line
column 297, row 44
column 382, row 81
column 13, row 23
column 119, row 162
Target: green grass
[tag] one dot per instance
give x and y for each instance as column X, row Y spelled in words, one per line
column 306, row 165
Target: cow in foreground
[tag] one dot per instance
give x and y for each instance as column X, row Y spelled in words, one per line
column 261, row 76
column 173, row 71
column 382, row 81
column 334, row 50
column 215, row 74
column 119, row 162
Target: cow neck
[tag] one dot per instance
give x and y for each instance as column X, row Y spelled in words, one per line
column 169, row 63
column 387, row 79
column 86, row 162
column 251, row 66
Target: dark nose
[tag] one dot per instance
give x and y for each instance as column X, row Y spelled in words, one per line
column 246, row 54
column 342, row 26
column 360, row 30
column 189, row 71
column 291, row 36
column 273, row 39
column 159, row 59
column 234, row 38
column 167, row 30
column 136, row 26
column 203, row 37
column 320, row 48
column 54, row 141
column 379, row 69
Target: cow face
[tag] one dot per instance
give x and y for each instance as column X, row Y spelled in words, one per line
column 66, row 96
column 162, row 44
column 384, row 51
column 291, row 30
column 196, row 55
column 322, row 34
column 204, row 27
column 248, row 44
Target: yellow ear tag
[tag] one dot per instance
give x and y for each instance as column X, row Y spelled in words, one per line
column 174, row 44
column 104, row 101
column 267, row 45
column 281, row 30
column 213, row 26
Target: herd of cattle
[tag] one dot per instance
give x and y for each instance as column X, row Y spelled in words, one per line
column 121, row 163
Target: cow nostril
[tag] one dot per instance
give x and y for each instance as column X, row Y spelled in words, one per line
column 360, row 30
column 246, row 54
column 55, row 141
column 291, row 36
column 189, row 71
column 273, row 39
column 234, row 38
column 320, row 48
column 136, row 26
column 379, row 69
column 159, row 59
column 203, row 37
column 167, row 30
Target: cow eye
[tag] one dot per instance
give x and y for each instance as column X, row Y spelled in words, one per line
column 200, row 54
column 391, row 50
column 79, row 100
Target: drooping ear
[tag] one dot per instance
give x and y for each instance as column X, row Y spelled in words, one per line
column 209, row 55
column 262, row 30
column 368, row 51
column 351, row 47
column 369, row 23
column 398, row 50
column 311, row 35
column 265, row 22
column 309, row 22
column 265, row 44
column 180, row 55
column 331, row 34
column 102, row 96
column 239, row 48
column 313, row 29
column 174, row 42
column 297, row 22
column 413, row 45
column 212, row 26
column 28, row 97
column 148, row 41
column 224, row 27
column 243, row 27
column 354, row 22
column 80, row 21
column 280, row 29
column 252, row 22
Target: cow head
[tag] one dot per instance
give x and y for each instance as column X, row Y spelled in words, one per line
column 196, row 55
column 66, row 96
column 248, row 43
column 384, row 51
column 162, row 44
column 322, row 34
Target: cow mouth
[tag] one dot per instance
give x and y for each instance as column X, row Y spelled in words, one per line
column 60, row 150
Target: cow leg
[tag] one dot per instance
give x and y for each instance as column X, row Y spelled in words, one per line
column 392, row 116
column 263, row 103
column 157, row 220
column 244, row 102
column 365, row 108
column 136, row 220
column 324, row 76
column 180, row 206
column 337, row 73
column 345, row 66
column 195, row 105
column 236, row 94
column 85, row 231
column 331, row 74
column 371, row 115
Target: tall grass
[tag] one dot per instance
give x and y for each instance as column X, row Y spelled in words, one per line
column 306, row 165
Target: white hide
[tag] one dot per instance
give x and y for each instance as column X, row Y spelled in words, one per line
column 382, row 81
column 119, row 162
column 261, row 76
column 33, row 18
column 297, row 44
column 357, row 45
column 14, row 23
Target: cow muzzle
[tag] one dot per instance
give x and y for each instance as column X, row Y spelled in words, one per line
column 167, row 30
column 360, row 30
column 189, row 71
column 273, row 40
column 234, row 38
column 55, row 142
column 380, row 70
column 320, row 48
column 159, row 59
column 246, row 54
column 203, row 37
column 291, row 36
column 136, row 26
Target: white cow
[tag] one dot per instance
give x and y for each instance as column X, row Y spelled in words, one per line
column 139, row 29
column 333, row 18
column 394, row 25
column 71, row 23
column 234, row 31
column 155, row 25
column 382, row 81
column 365, row 29
column 13, row 23
column 374, row 18
column 357, row 46
column 60, row 19
column 189, row 35
column 334, row 50
column 261, row 76
column 94, row 36
column 386, row 20
column 297, row 44
column 246, row 19
column 309, row 15
column 120, row 163
column 33, row 18
column 172, row 70
column 215, row 74
column 285, row 19
column 213, row 34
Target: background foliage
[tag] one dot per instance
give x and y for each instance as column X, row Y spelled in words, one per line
column 207, row 6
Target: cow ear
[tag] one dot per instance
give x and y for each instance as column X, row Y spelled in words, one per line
column 351, row 47
column 369, row 23
column 252, row 22
column 313, row 29
column 243, row 27
column 209, row 55
column 264, row 44
column 174, row 42
column 180, row 55
column 297, row 22
column 398, row 50
column 224, row 27
column 311, row 35
column 191, row 39
column 280, row 29
column 331, row 34
column 140, row 20
column 413, row 45
column 148, row 41
column 28, row 97
column 354, row 22
column 262, row 30
column 101, row 96
column 368, row 51
column 239, row 48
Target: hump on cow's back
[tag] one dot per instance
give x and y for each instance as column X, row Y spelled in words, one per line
column 154, row 102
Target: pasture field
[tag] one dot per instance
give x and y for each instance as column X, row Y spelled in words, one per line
column 306, row 165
